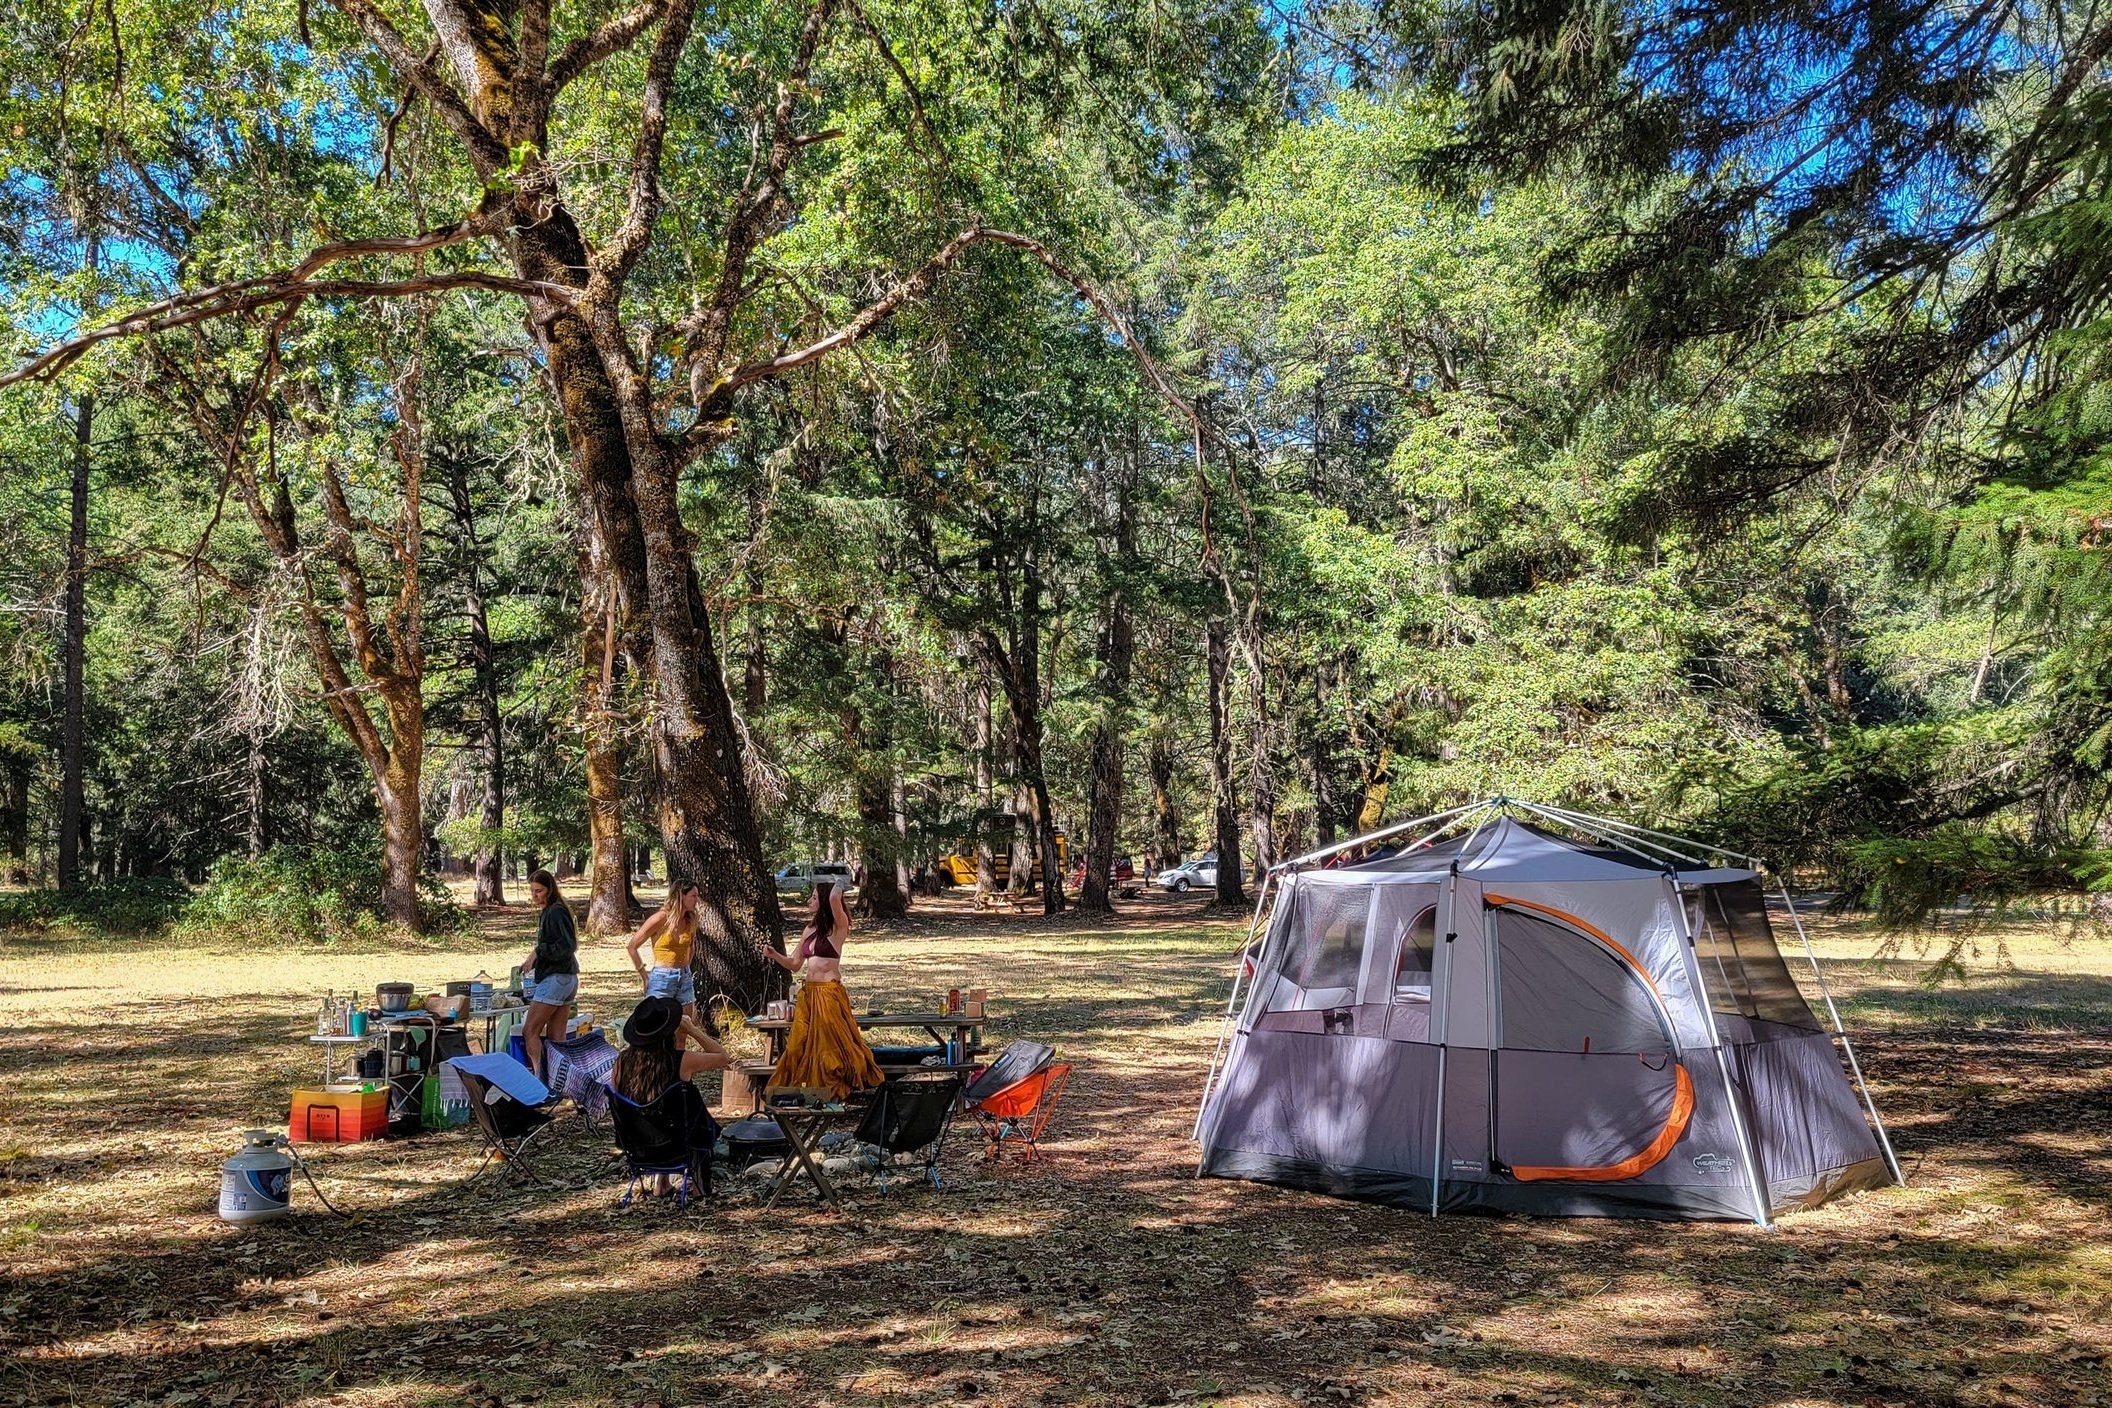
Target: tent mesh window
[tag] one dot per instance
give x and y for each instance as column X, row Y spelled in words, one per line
column 1319, row 956
column 1558, row 990
column 1407, row 925
column 1331, row 936
column 1742, row 964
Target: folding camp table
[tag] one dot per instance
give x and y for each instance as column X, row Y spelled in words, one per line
column 803, row 1126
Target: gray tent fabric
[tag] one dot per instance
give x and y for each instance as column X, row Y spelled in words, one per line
column 1509, row 1020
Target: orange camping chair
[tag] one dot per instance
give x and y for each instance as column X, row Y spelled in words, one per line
column 1021, row 1111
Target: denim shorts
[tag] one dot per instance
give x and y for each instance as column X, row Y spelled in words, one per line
column 556, row 990
column 677, row 983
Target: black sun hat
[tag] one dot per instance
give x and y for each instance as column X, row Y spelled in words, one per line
column 651, row 1020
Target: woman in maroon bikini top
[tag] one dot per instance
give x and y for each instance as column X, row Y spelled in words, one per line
column 823, row 1046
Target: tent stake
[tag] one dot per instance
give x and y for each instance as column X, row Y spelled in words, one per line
column 1877, row 1121
column 1723, row 1065
column 1224, row 1027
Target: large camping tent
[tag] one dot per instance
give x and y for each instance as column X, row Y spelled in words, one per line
column 1498, row 1016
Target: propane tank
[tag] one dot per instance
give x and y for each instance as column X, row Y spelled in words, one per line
column 256, row 1184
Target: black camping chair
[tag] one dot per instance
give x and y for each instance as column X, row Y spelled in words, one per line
column 507, row 1126
column 670, row 1134
column 910, row 1114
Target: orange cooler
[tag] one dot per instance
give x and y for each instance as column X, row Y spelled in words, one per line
column 338, row 1114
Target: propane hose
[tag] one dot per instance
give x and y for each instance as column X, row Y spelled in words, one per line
column 302, row 1164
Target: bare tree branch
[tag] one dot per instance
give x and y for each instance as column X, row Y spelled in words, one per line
column 759, row 200
column 612, row 37
column 298, row 282
column 642, row 202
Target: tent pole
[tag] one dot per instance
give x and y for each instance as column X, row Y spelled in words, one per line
column 1628, row 838
column 1575, row 821
column 1746, row 1149
column 1310, row 857
column 1609, row 832
column 1877, row 1121
column 1497, row 804
column 1635, row 832
column 1440, row 1024
column 1430, row 836
column 1232, row 1002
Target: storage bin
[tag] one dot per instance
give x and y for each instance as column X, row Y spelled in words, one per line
column 337, row 1114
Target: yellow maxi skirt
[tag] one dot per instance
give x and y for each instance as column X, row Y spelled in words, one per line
column 825, row 1047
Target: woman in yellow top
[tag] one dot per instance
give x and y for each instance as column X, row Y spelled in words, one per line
column 672, row 931
column 824, row 1047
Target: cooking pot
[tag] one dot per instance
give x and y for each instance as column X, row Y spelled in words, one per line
column 393, row 997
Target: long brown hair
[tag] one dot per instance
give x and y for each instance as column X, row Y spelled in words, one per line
column 821, row 924
column 646, row 1069
column 549, row 883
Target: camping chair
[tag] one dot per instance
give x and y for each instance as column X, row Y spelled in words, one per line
column 1020, row 1111
column 670, row 1134
column 910, row 1114
column 507, row 1126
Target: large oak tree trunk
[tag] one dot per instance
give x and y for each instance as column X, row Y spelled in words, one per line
column 1224, row 804
column 707, row 822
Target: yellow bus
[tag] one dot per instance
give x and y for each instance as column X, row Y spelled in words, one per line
column 959, row 867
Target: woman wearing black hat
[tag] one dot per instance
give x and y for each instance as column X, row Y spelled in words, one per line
column 653, row 1060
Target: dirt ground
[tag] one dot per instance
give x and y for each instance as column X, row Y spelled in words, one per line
column 1106, row 1275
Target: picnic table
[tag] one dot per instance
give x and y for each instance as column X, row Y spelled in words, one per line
column 967, row 1031
column 967, row 1038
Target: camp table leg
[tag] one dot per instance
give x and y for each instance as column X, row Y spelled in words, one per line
column 800, row 1131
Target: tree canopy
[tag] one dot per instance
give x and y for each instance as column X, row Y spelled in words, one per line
column 505, row 431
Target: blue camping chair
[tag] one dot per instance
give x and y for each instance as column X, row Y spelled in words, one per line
column 672, row 1134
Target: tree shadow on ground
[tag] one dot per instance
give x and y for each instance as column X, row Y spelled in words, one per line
column 1104, row 1275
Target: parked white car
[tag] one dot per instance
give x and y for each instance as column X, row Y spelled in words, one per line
column 800, row 877
column 1193, row 875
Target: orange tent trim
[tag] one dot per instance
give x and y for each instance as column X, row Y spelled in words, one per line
column 1634, row 1165
column 1682, row 1084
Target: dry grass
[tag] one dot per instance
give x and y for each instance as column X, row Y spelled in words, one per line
column 1107, row 1276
